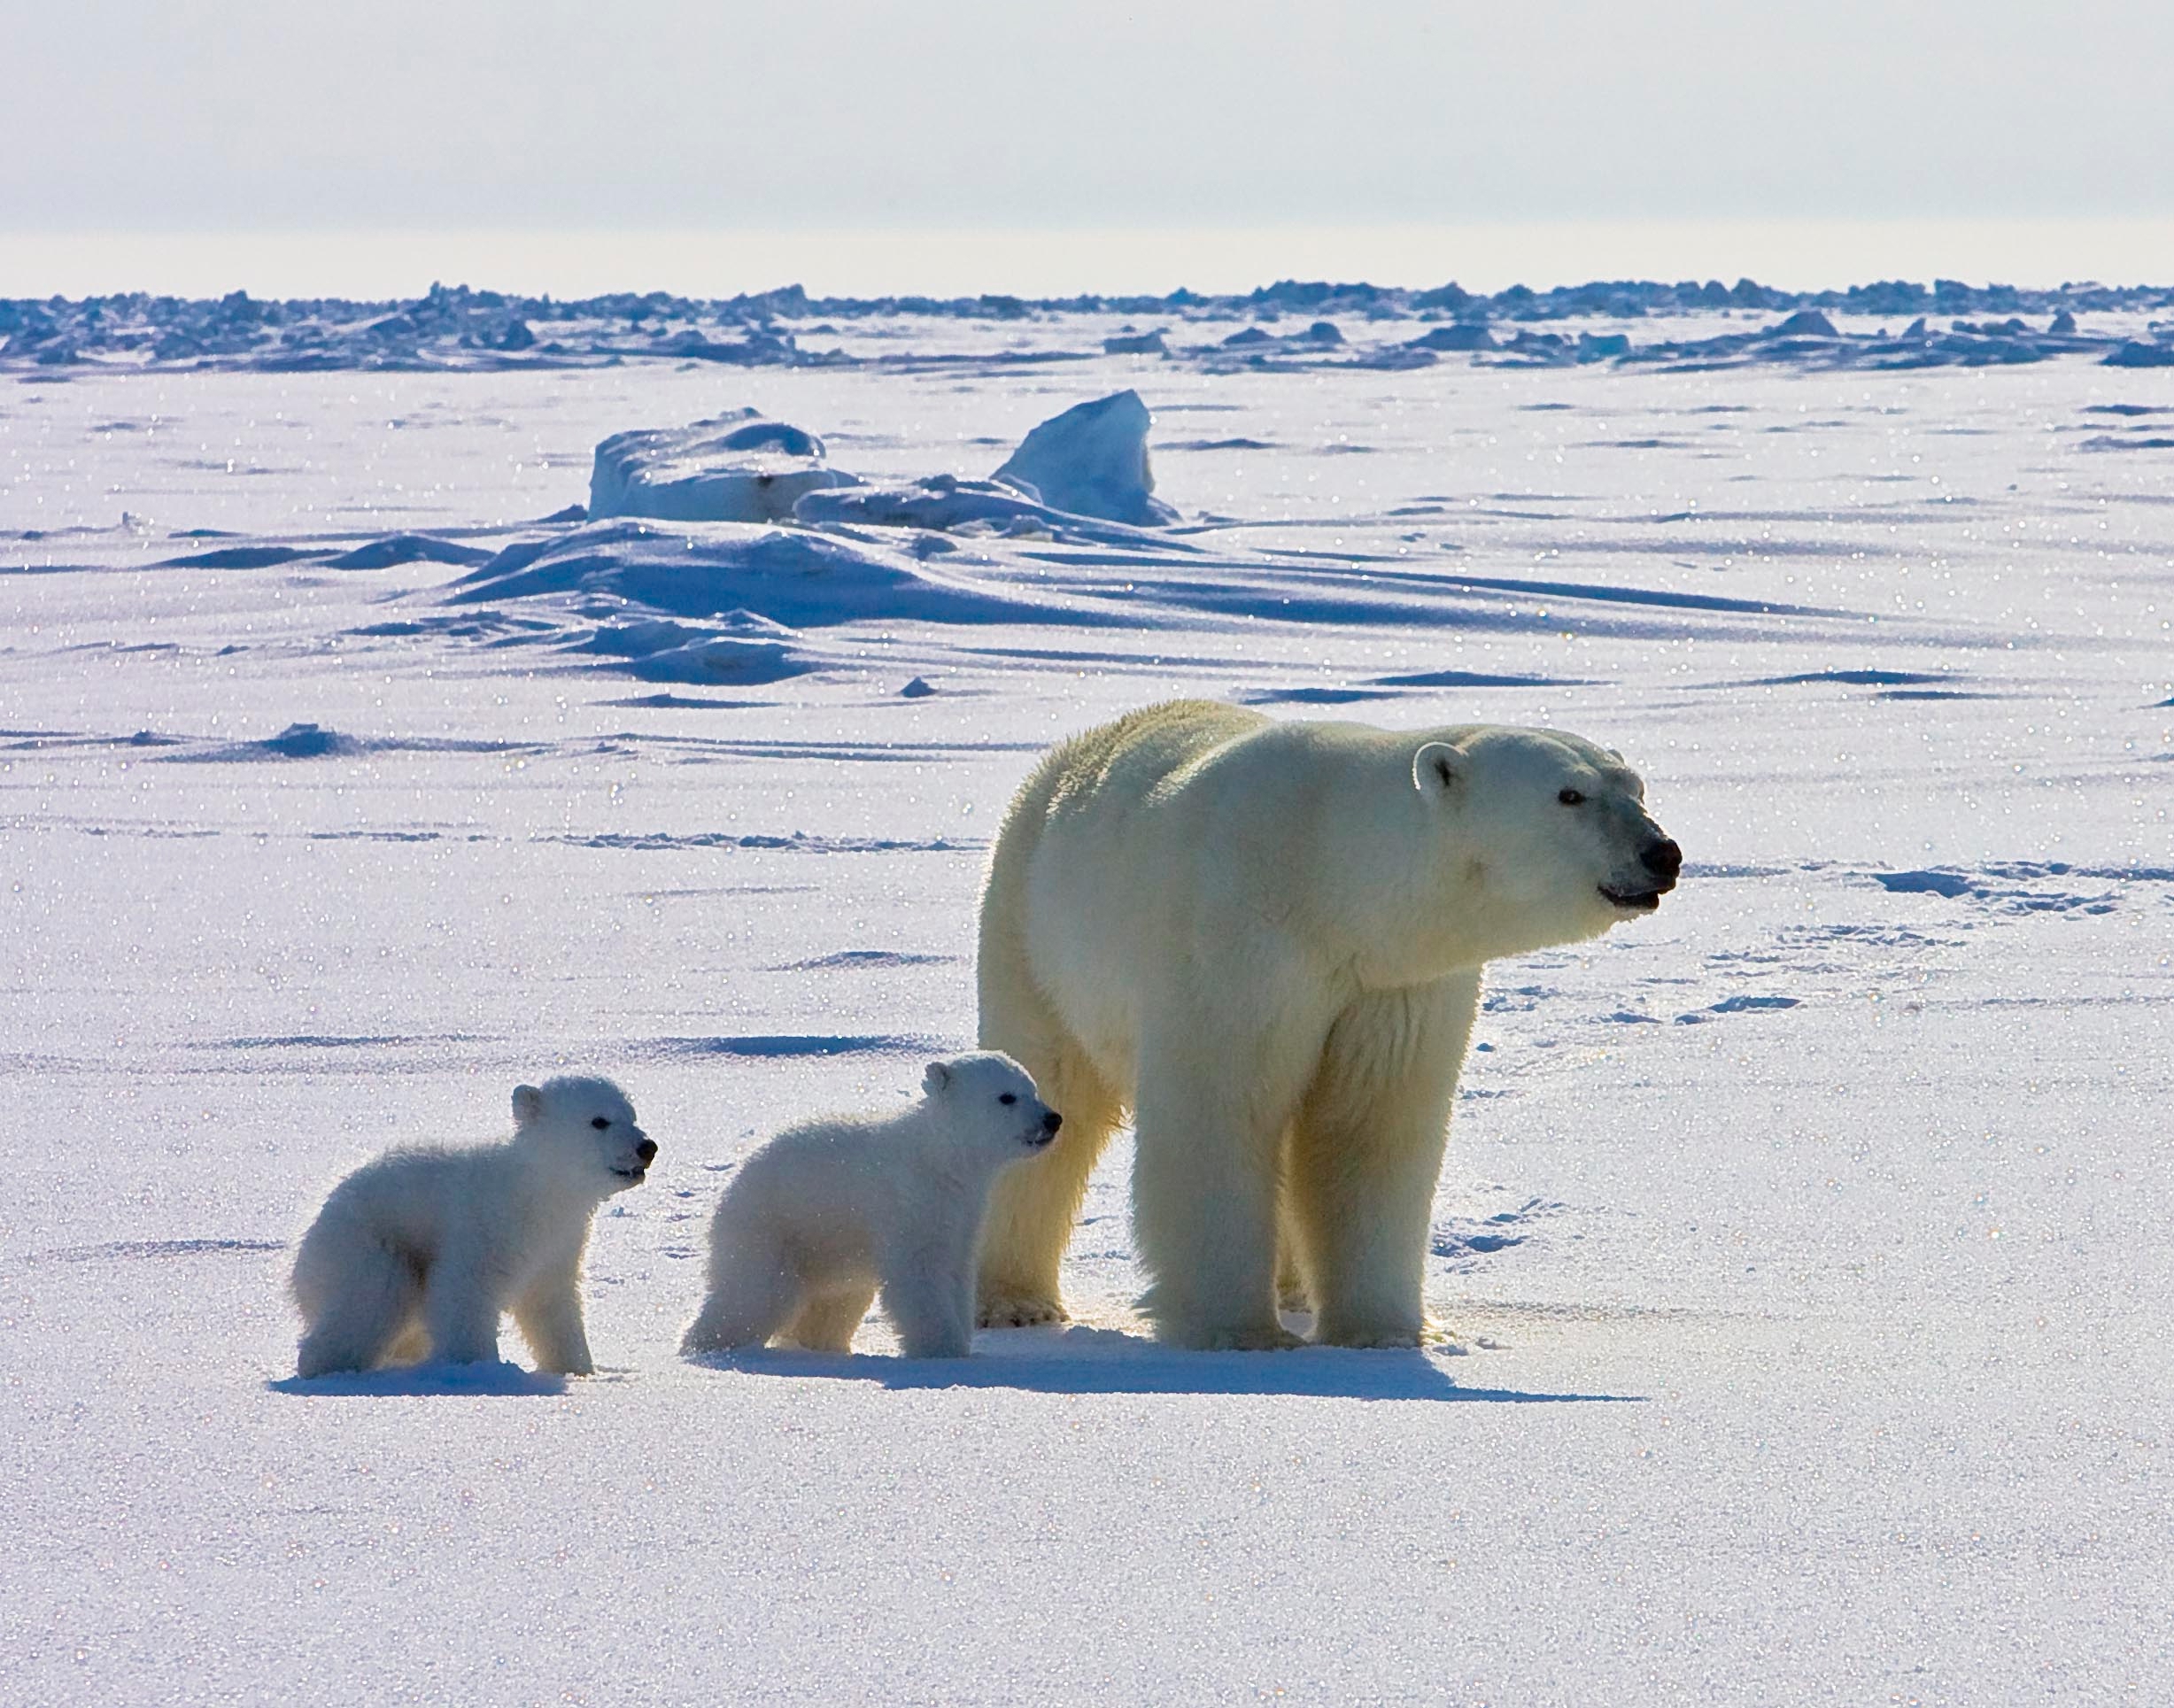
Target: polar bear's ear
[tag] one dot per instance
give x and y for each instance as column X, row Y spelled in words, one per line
column 936, row 1078
column 1436, row 767
column 528, row 1104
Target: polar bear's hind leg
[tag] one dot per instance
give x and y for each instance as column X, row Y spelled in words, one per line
column 753, row 1295
column 356, row 1316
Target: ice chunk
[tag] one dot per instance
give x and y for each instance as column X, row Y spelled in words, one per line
column 1805, row 323
column 1092, row 460
column 1463, row 335
column 736, row 467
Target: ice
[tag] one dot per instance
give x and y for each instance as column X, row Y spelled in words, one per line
column 1383, row 328
column 1092, row 460
column 735, row 467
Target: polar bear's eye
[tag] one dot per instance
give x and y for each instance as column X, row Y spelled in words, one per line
column 1571, row 798
column 600, row 1123
column 1007, row 1098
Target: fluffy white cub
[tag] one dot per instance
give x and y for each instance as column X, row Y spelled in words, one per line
column 416, row 1255
column 830, row 1212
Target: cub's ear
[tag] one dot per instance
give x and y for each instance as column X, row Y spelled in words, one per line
column 528, row 1104
column 936, row 1078
column 1437, row 768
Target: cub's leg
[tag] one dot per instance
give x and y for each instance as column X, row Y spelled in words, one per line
column 356, row 1298
column 460, row 1311
column 753, row 1293
column 550, row 1319
column 928, row 1295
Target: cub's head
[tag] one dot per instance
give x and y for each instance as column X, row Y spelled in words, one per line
column 1545, row 831
column 988, row 1099
column 584, row 1129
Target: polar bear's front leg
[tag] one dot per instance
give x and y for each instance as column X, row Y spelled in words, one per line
column 1204, row 1187
column 549, row 1318
column 1034, row 1205
column 928, row 1295
column 461, row 1313
column 1366, row 1157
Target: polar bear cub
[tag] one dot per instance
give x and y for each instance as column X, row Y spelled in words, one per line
column 831, row 1211
column 416, row 1255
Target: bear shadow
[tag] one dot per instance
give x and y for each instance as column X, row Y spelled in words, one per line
column 497, row 1380
column 1083, row 1360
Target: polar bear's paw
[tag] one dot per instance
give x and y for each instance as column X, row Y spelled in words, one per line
column 1009, row 1309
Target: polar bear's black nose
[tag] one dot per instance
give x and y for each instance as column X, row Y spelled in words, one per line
column 646, row 1150
column 1052, row 1121
column 1663, row 859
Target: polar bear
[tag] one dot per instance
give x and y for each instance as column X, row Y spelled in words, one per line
column 416, row 1255
column 829, row 1211
column 1265, row 940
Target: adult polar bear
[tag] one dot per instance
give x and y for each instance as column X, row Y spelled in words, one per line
column 1265, row 940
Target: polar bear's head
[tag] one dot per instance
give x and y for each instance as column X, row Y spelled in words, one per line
column 989, row 1101
column 1544, row 832
column 583, row 1129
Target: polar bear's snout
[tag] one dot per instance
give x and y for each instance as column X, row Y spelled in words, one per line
column 645, row 1152
column 1662, row 862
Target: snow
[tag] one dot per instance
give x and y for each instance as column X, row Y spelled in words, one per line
column 1092, row 460
column 736, row 467
column 1806, row 1247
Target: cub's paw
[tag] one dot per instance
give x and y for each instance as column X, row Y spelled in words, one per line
column 1008, row 1310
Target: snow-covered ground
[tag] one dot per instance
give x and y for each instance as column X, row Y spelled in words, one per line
column 1808, row 1248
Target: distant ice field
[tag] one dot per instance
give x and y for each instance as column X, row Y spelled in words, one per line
column 1803, row 1251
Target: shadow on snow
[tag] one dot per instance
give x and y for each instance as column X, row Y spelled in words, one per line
column 1082, row 1360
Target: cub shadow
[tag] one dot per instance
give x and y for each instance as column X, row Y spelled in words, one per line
column 1083, row 1360
column 497, row 1380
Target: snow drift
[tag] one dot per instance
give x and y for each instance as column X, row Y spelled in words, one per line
column 798, row 578
column 734, row 467
column 945, row 504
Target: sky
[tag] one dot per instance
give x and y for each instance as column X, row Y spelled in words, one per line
column 866, row 127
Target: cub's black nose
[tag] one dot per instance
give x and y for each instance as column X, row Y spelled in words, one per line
column 1052, row 1121
column 1663, row 859
column 646, row 1150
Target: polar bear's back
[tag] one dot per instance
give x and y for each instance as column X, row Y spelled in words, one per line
column 824, row 1187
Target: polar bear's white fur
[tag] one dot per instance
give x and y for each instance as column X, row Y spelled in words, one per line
column 1265, row 940
column 416, row 1255
column 829, row 1212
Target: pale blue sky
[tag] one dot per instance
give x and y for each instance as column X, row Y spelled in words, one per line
column 399, row 113
column 456, row 115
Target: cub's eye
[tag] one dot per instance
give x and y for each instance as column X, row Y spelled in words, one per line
column 1007, row 1098
column 600, row 1124
column 1571, row 798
